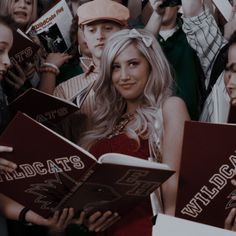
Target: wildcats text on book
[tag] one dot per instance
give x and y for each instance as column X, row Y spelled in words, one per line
column 207, row 166
column 53, row 173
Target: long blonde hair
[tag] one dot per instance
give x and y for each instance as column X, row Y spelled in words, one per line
column 110, row 105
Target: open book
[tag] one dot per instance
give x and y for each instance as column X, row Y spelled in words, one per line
column 46, row 108
column 53, row 28
column 207, row 167
column 23, row 49
column 54, row 173
column 169, row 226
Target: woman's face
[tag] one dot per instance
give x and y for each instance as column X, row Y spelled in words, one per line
column 6, row 40
column 22, row 11
column 130, row 72
column 230, row 71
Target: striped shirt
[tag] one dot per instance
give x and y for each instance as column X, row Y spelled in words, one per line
column 204, row 36
column 70, row 88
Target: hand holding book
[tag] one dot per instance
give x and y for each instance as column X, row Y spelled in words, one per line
column 6, row 165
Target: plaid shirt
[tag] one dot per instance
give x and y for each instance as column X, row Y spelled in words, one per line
column 205, row 38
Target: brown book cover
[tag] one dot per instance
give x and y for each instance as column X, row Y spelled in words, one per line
column 23, row 49
column 46, row 108
column 54, row 173
column 207, row 166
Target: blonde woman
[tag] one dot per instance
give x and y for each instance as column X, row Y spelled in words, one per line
column 136, row 115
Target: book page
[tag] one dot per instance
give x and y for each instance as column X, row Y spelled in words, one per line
column 121, row 159
column 224, row 7
column 23, row 34
column 36, row 91
column 80, row 97
column 181, row 227
column 53, row 28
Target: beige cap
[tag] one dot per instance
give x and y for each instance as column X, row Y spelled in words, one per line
column 102, row 10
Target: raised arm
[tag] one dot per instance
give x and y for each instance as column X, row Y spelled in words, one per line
column 192, row 7
column 154, row 23
column 48, row 76
column 203, row 34
column 174, row 115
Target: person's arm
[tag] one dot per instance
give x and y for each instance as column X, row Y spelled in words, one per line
column 56, row 224
column 48, row 78
column 174, row 115
column 154, row 23
column 192, row 7
column 203, row 34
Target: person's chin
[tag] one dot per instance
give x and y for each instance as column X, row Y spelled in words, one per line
column 21, row 23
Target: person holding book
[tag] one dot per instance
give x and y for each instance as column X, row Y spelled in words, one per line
column 230, row 222
column 98, row 19
column 24, row 76
column 135, row 114
column 8, row 207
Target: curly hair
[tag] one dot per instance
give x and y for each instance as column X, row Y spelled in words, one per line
column 110, row 105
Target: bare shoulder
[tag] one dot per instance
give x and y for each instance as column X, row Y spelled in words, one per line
column 175, row 107
column 174, row 103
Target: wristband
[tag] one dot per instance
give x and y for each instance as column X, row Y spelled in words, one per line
column 47, row 64
column 47, row 69
column 22, row 215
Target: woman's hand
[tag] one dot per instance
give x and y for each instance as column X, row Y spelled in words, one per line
column 98, row 221
column 58, row 59
column 5, row 164
column 155, row 4
column 56, row 224
column 17, row 78
column 230, row 221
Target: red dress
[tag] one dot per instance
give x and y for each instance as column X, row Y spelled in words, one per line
column 138, row 221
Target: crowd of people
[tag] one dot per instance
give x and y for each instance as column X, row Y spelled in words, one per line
column 152, row 69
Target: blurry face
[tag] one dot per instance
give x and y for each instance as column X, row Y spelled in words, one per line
column 22, row 11
column 130, row 72
column 6, row 40
column 169, row 18
column 96, row 35
column 83, row 47
column 230, row 72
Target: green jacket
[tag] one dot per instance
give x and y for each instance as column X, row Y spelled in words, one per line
column 186, row 70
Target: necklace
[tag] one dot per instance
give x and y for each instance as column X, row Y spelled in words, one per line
column 121, row 124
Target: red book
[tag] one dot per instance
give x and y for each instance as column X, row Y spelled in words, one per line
column 207, row 166
column 23, row 49
column 54, row 173
column 46, row 108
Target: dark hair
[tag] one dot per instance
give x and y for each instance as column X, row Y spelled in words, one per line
column 7, row 21
column 73, row 36
column 232, row 39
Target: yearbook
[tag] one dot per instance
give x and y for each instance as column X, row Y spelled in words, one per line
column 53, row 173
